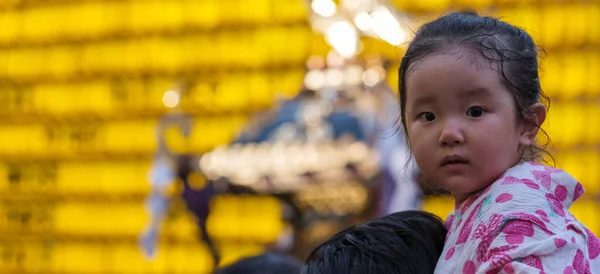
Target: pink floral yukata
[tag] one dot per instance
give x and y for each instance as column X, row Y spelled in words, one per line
column 521, row 224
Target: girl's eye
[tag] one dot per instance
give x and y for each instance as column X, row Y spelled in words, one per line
column 427, row 116
column 475, row 111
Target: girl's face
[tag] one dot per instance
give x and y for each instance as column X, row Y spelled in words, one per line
column 461, row 122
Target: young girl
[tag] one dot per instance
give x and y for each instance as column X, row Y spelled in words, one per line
column 470, row 95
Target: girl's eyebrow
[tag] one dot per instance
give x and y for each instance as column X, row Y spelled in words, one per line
column 423, row 100
column 478, row 92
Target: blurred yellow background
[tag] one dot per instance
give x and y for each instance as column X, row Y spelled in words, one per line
column 83, row 83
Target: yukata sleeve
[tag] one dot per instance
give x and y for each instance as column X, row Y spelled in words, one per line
column 524, row 243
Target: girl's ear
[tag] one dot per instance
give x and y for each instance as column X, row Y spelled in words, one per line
column 534, row 119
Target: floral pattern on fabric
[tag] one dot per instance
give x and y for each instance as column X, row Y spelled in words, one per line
column 521, row 224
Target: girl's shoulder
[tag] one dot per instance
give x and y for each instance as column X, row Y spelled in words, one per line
column 529, row 192
column 533, row 193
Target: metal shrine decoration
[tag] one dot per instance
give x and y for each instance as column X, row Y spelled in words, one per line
column 324, row 134
column 288, row 166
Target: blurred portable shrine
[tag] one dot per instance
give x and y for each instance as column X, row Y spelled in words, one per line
column 313, row 165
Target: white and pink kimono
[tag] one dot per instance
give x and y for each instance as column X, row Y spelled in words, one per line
column 521, row 224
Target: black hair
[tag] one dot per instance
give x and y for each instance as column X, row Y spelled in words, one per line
column 266, row 263
column 510, row 50
column 403, row 242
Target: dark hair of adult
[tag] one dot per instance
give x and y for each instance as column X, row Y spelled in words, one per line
column 403, row 242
